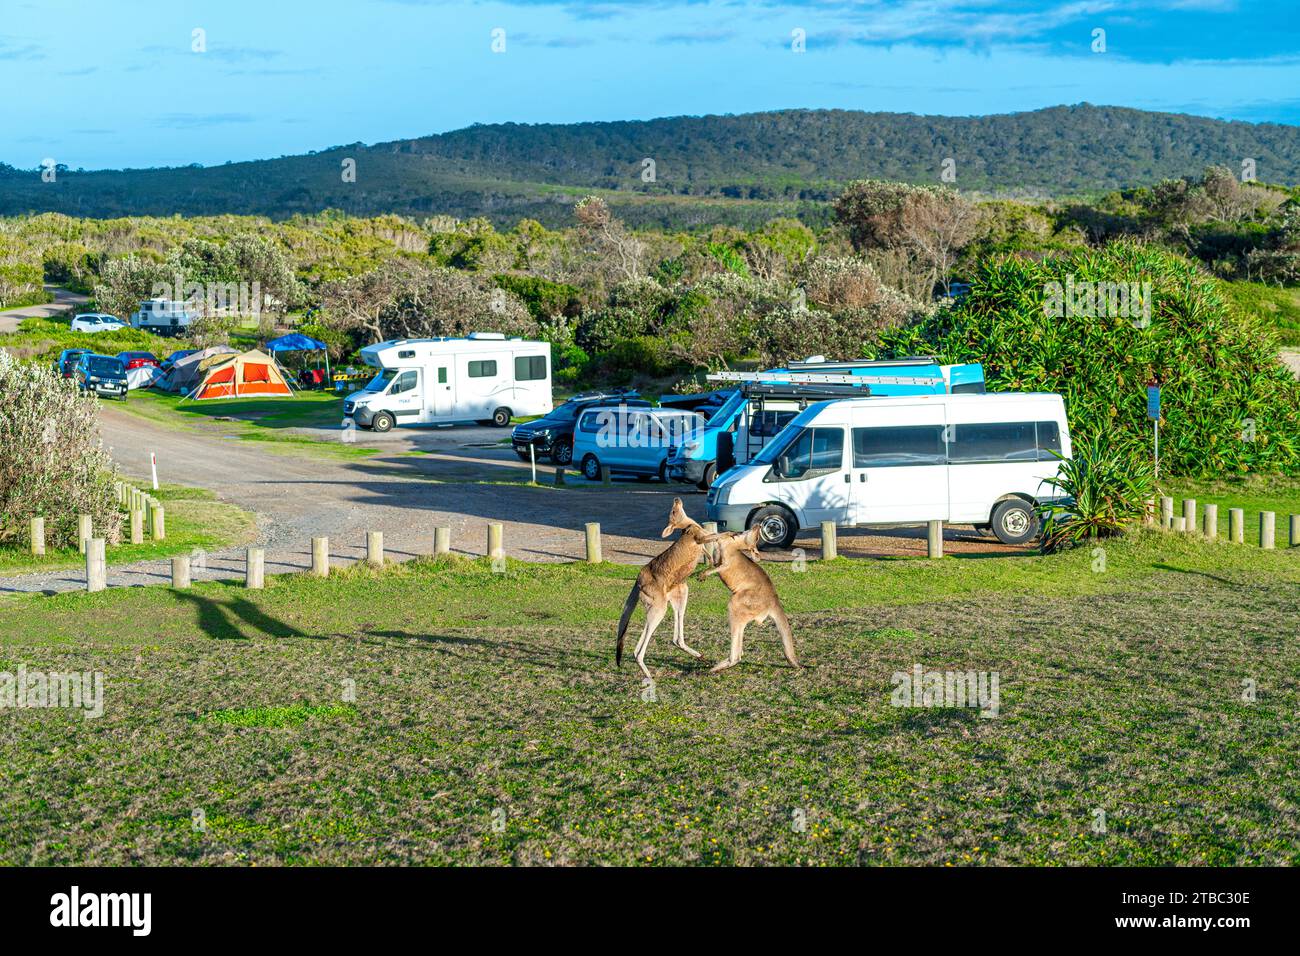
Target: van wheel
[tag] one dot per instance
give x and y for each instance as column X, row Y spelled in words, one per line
column 710, row 473
column 383, row 422
column 562, row 452
column 1014, row 521
column 776, row 527
column 501, row 417
column 591, row 468
column 663, row 471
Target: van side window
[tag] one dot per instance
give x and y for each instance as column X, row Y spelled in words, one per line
column 530, row 368
column 486, row 368
column 815, row 450
column 1049, row 440
column 590, row 422
column 404, row 383
column 993, row 441
column 893, row 447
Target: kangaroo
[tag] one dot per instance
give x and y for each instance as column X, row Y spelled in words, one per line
column 753, row 597
column 663, row 581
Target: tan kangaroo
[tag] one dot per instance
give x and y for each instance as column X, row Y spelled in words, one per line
column 753, row 597
column 663, row 582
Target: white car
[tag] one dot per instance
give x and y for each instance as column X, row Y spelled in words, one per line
column 97, row 322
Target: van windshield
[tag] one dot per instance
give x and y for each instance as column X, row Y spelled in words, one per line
column 722, row 417
column 777, row 446
column 380, row 381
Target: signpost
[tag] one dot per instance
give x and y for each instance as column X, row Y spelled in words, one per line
column 1153, row 413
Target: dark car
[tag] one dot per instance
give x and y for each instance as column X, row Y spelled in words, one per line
column 102, row 375
column 66, row 366
column 552, row 434
column 138, row 359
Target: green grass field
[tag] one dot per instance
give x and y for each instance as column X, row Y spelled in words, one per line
column 1279, row 308
column 437, row 712
column 195, row 520
column 255, row 419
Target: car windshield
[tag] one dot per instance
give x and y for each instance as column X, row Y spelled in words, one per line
column 777, row 446
column 104, row 366
column 380, row 381
column 723, row 415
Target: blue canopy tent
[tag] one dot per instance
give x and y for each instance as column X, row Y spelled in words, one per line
column 297, row 342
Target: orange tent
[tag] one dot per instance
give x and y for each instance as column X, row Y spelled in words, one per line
column 246, row 374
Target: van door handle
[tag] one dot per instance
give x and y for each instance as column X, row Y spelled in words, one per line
column 847, row 478
column 862, row 476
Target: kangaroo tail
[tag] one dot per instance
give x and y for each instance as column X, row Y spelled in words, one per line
column 628, row 607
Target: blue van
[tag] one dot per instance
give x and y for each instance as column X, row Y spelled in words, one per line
column 765, row 402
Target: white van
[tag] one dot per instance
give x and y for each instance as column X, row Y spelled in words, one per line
column 162, row 317
column 964, row 459
column 631, row 440
column 484, row 378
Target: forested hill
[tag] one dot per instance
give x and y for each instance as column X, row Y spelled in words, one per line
column 706, row 169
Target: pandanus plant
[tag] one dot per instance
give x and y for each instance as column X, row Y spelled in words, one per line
column 1106, row 485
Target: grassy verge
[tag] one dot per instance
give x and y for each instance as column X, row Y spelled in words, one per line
column 42, row 340
column 1253, row 495
column 255, row 419
column 1280, row 308
column 437, row 712
column 195, row 520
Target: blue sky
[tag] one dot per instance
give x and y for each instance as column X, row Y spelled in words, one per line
column 98, row 84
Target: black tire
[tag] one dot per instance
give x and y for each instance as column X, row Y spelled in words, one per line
column 382, row 422
column 644, row 478
column 663, row 471
column 778, row 529
column 501, row 417
column 485, row 422
column 710, row 473
column 591, row 468
column 1014, row 521
column 562, row 452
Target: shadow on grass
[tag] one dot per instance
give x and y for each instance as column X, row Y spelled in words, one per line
column 222, row 620
column 1199, row 574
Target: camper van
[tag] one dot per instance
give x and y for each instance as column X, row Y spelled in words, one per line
column 162, row 317
column 764, row 402
column 965, row 459
column 484, row 378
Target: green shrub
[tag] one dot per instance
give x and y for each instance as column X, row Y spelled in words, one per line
column 41, row 340
column 1229, row 405
column 1108, row 485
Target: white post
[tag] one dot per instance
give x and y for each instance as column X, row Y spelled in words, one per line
column 153, row 468
column 532, row 460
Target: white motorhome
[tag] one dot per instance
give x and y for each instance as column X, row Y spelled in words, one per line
column 484, row 378
column 162, row 317
column 964, row 459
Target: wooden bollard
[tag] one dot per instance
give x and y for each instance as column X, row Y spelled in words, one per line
column 255, row 568
column 96, row 573
column 159, row 523
column 1237, row 525
column 1179, row 523
column 1166, row 512
column 117, row 492
column 1211, row 521
column 181, row 571
column 593, row 542
column 1267, row 529
column 84, row 532
column 604, row 474
column 1189, row 515
column 495, row 547
column 934, row 539
column 374, row 548
column 559, row 477
column 38, row 536
column 320, row 557
column 710, row 527
column 442, row 540
column 1295, row 531
column 1149, row 513
column 137, row 526
column 830, row 549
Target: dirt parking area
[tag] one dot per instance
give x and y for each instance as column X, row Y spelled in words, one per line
column 460, row 477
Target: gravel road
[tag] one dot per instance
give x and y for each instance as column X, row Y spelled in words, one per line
column 63, row 299
column 422, row 479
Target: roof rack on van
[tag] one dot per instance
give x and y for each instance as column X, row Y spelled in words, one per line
column 865, row 363
column 812, row 392
column 823, row 378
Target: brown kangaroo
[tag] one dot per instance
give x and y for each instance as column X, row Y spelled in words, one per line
column 753, row 597
column 662, row 582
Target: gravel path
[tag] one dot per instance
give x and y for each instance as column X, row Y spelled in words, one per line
column 63, row 299
column 406, row 495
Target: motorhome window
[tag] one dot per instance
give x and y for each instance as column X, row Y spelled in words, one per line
column 815, row 450
column 406, row 353
column 993, row 441
column 530, row 368
column 405, row 382
column 1049, row 440
column 442, row 376
column 484, row 369
column 897, row 446
column 380, row 381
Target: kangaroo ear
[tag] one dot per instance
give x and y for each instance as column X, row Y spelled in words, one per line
column 668, row 531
